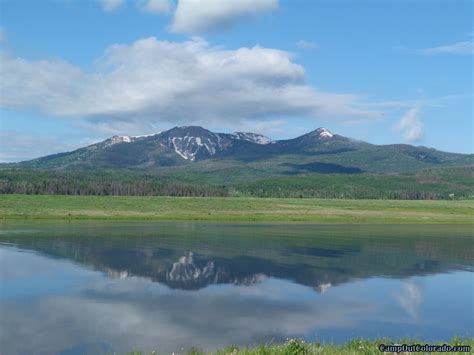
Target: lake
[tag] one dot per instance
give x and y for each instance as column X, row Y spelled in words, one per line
column 94, row 287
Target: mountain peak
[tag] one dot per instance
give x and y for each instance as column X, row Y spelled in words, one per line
column 323, row 132
column 191, row 142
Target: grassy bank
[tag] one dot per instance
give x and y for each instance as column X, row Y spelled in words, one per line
column 234, row 209
column 296, row 347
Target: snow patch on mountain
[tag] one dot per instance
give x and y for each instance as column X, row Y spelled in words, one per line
column 183, row 153
column 253, row 137
column 324, row 132
column 188, row 147
column 147, row 135
column 126, row 139
column 118, row 139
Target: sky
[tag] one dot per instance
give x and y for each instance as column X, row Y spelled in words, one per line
column 76, row 72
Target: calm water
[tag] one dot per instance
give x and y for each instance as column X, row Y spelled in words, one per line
column 84, row 287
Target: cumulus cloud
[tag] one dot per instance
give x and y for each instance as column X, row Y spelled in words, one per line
column 153, row 81
column 302, row 44
column 155, row 6
column 111, row 5
column 411, row 125
column 198, row 16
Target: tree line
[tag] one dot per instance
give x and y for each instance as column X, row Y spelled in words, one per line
column 429, row 185
column 72, row 183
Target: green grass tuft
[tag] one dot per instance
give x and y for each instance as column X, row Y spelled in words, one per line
column 299, row 347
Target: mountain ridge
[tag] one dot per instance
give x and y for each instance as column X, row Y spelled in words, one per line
column 198, row 149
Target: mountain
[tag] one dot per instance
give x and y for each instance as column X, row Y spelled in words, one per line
column 176, row 146
column 196, row 150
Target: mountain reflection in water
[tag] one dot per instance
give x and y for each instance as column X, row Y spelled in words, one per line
column 95, row 287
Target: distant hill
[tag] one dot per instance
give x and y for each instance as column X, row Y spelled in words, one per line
column 196, row 149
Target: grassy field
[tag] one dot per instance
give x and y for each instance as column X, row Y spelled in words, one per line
column 234, row 209
column 297, row 347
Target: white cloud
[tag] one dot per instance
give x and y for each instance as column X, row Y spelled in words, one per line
column 111, row 5
column 151, row 82
column 302, row 44
column 439, row 101
column 410, row 298
column 198, row 16
column 411, row 125
column 466, row 47
column 155, row 6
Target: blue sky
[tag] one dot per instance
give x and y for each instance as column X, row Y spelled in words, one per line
column 75, row 72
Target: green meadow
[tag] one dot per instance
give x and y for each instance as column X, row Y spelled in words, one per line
column 235, row 209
